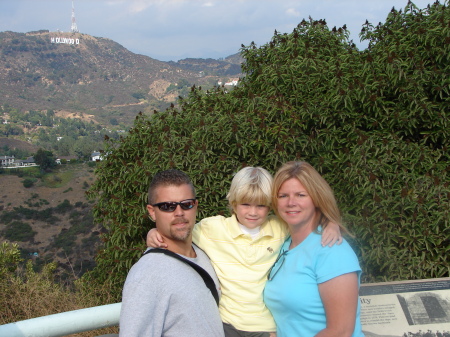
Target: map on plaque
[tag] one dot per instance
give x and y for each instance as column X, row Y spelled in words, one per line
column 406, row 309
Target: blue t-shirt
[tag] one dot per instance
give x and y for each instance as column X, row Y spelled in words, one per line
column 292, row 291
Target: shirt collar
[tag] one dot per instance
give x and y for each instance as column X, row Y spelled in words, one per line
column 235, row 231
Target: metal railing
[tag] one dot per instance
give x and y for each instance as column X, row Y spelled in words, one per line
column 65, row 323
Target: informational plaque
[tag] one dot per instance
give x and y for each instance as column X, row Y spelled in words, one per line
column 406, row 309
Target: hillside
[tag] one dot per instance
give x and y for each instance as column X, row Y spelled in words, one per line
column 81, row 73
column 227, row 67
column 17, row 144
column 52, row 220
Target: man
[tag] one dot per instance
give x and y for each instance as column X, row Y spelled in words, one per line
column 163, row 296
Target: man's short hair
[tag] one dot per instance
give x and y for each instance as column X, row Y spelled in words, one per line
column 170, row 177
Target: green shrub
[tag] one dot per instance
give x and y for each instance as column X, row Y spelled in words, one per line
column 63, row 207
column 66, row 239
column 137, row 95
column 45, row 215
column 375, row 123
column 74, row 214
column 7, row 217
column 19, row 231
column 9, row 259
column 27, row 183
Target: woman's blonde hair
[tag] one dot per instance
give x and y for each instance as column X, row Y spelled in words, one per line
column 251, row 185
column 318, row 189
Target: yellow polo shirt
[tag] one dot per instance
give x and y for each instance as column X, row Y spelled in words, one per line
column 242, row 264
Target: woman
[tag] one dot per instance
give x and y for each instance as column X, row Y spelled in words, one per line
column 312, row 290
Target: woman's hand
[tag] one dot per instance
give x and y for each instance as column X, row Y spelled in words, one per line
column 154, row 239
column 330, row 235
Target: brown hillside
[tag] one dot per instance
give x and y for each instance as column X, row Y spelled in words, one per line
column 17, row 144
column 73, row 181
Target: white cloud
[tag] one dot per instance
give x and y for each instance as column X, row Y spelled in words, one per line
column 293, row 12
column 138, row 6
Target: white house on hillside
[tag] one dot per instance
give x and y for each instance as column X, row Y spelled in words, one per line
column 7, row 160
column 11, row 162
column 96, row 156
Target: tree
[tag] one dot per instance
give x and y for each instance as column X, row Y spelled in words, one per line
column 375, row 123
column 84, row 146
column 182, row 83
column 44, row 159
column 11, row 130
column 48, row 118
column 64, row 146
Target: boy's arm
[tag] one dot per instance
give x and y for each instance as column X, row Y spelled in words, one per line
column 331, row 235
column 155, row 240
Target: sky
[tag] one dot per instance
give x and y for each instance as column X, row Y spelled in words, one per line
column 170, row 30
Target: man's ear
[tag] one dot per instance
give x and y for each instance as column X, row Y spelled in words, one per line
column 151, row 212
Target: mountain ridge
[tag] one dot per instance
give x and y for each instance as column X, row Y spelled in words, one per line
column 79, row 72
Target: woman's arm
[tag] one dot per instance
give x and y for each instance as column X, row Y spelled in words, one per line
column 331, row 235
column 340, row 300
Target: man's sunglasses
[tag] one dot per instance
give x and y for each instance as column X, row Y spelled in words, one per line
column 170, row 206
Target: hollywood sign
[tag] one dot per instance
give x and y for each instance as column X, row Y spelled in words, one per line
column 64, row 40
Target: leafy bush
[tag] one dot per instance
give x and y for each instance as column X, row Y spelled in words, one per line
column 74, row 214
column 19, row 231
column 137, row 95
column 63, row 207
column 375, row 123
column 9, row 259
column 80, row 224
column 27, row 183
column 45, row 215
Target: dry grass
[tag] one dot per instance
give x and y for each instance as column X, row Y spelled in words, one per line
column 27, row 294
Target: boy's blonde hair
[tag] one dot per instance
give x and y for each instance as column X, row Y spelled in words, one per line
column 251, row 185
